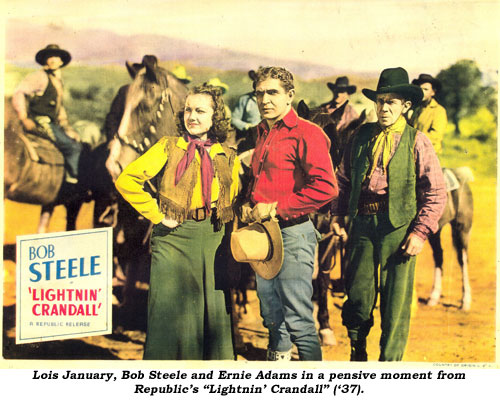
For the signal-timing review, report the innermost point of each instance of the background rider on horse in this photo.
(38, 101)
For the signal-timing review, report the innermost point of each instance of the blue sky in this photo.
(362, 35)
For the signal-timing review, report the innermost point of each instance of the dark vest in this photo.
(400, 173)
(175, 200)
(46, 104)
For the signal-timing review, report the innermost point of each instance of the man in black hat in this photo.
(429, 117)
(392, 188)
(339, 104)
(38, 101)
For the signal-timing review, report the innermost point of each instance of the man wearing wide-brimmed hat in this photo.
(392, 188)
(292, 176)
(341, 90)
(38, 101)
(430, 117)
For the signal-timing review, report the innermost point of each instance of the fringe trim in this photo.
(172, 210)
(226, 214)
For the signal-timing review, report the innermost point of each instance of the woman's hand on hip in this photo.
(167, 222)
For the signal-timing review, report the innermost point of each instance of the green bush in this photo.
(470, 150)
(482, 126)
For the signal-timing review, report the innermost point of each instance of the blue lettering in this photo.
(41, 252)
(71, 267)
(47, 269)
(37, 274)
(93, 265)
(82, 267)
(50, 253)
(64, 268)
(60, 268)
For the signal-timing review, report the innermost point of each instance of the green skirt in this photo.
(189, 309)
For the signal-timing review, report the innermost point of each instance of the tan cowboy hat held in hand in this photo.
(261, 245)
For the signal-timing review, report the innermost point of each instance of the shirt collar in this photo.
(290, 120)
(333, 108)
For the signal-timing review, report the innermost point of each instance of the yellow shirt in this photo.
(131, 181)
(432, 120)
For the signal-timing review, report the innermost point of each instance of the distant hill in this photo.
(98, 47)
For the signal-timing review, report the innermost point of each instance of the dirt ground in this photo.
(442, 333)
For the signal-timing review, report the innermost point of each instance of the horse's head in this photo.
(152, 102)
(316, 115)
(328, 122)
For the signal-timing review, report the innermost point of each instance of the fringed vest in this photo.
(175, 201)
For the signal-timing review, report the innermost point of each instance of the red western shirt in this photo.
(291, 164)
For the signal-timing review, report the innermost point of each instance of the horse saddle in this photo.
(41, 150)
(450, 180)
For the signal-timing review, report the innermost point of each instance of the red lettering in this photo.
(34, 309)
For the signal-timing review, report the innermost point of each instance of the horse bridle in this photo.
(146, 143)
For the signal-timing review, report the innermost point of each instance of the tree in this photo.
(462, 91)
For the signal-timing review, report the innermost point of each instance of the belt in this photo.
(200, 214)
(292, 221)
(373, 208)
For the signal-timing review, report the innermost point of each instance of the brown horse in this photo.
(329, 245)
(143, 112)
(34, 169)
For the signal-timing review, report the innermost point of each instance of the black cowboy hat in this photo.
(52, 50)
(149, 61)
(342, 85)
(395, 80)
(427, 78)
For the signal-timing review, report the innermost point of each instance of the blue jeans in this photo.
(286, 300)
(69, 148)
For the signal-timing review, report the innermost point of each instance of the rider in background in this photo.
(430, 117)
(246, 117)
(38, 101)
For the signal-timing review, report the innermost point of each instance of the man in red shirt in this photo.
(292, 176)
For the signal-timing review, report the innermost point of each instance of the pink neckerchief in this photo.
(207, 168)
